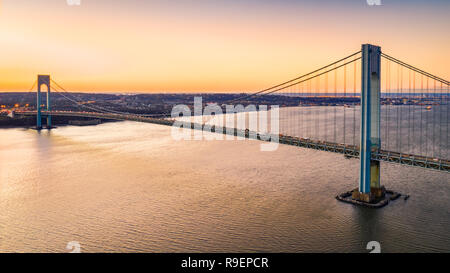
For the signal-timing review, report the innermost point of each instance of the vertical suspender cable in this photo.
(354, 106)
(412, 106)
(399, 126)
(421, 115)
(335, 99)
(326, 107)
(317, 112)
(427, 120)
(386, 114)
(386, 95)
(309, 112)
(447, 123)
(302, 111)
(409, 111)
(440, 120)
(345, 98)
(434, 120)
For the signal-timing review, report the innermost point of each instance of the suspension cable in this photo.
(415, 69)
(74, 100)
(31, 89)
(295, 79)
(102, 109)
(318, 75)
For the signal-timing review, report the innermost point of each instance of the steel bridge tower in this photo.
(43, 80)
(369, 176)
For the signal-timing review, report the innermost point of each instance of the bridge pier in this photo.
(43, 80)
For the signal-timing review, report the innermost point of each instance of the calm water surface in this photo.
(129, 187)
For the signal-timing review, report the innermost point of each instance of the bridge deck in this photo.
(347, 150)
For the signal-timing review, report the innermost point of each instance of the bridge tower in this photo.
(369, 177)
(43, 80)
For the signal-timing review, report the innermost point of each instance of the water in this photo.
(129, 187)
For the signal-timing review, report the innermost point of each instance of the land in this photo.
(162, 104)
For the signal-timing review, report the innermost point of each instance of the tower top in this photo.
(43, 79)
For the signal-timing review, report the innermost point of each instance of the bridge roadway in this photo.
(348, 151)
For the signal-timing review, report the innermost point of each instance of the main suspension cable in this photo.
(295, 79)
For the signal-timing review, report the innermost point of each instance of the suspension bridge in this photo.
(367, 105)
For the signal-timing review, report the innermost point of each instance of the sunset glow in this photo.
(207, 46)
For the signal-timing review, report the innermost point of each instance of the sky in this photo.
(208, 45)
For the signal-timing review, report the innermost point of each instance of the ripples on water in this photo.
(128, 187)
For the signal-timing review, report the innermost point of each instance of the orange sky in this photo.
(207, 46)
